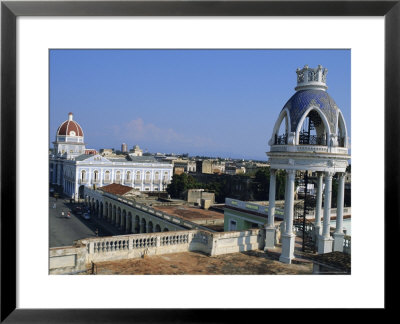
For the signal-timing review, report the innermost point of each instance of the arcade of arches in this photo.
(127, 218)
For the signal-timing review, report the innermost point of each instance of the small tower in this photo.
(136, 151)
(310, 134)
(69, 139)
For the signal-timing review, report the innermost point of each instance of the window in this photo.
(148, 176)
(118, 176)
(128, 175)
(96, 175)
(107, 175)
(232, 225)
(83, 175)
(165, 176)
(138, 175)
(157, 176)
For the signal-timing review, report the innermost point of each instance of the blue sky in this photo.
(202, 102)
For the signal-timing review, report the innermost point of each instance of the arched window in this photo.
(165, 178)
(157, 176)
(313, 130)
(128, 175)
(96, 175)
(107, 176)
(83, 175)
(281, 129)
(148, 175)
(341, 131)
(118, 176)
(137, 176)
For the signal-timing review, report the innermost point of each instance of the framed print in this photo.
(35, 32)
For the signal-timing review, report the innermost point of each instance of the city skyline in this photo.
(221, 103)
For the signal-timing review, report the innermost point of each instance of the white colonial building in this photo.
(72, 169)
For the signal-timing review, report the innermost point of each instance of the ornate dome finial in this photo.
(309, 78)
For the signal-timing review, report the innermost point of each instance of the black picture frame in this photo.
(10, 10)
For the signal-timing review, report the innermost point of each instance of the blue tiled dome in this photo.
(302, 99)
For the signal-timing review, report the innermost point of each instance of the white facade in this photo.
(73, 173)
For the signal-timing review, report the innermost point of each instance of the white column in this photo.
(270, 228)
(339, 235)
(318, 206)
(76, 184)
(283, 228)
(325, 241)
(288, 238)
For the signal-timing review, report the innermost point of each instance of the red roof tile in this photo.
(116, 189)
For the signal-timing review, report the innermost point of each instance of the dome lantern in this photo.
(309, 78)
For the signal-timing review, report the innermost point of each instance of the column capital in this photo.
(291, 173)
(329, 174)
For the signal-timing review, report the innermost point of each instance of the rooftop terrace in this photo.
(192, 263)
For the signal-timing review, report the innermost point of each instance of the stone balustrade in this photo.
(309, 148)
(112, 248)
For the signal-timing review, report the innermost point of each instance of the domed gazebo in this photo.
(309, 135)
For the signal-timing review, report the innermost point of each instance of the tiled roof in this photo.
(68, 126)
(83, 157)
(143, 159)
(117, 159)
(116, 189)
(302, 99)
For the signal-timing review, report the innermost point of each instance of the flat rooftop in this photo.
(193, 263)
(191, 213)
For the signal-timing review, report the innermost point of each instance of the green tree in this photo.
(180, 183)
(280, 184)
(261, 184)
(335, 187)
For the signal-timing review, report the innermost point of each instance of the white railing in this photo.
(137, 245)
(312, 148)
(136, 241)
(299, 148)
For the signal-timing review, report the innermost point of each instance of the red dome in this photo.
(70, 128)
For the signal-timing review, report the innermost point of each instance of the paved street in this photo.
(63, 231)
